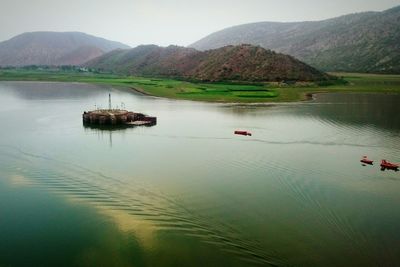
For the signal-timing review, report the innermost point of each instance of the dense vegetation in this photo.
(363, 42)
(230, 63)
(216, 92)
(53, 48)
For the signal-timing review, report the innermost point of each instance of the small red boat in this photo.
(246, 133)
(389, 165)
(365, 160)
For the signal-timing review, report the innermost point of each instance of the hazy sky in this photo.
(180, 22)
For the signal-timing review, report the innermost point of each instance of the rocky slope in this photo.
(363, 42)
(229, 63)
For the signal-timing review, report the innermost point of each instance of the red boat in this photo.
(388, 165)
(365, 160)
(243, 133)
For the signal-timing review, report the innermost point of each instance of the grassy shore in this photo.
(216, 92)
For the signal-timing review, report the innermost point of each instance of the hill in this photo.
(229, 63)
(53, 48)
(363, 42)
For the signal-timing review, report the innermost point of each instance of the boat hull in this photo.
(388, 165)
(366, 161)
(245, 133)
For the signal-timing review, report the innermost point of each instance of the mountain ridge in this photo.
(53, 48)
(229, 63)
(362, 42)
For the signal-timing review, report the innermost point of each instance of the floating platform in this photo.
(117, 117)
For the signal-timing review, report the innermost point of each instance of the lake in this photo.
(188, 192)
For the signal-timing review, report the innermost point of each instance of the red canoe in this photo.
(243, 133)
(366, 160)
(389, 165)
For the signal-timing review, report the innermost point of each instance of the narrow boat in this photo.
(365, 160)
(389, 165)
(246, 133)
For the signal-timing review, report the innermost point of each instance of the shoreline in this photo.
(140, 91)
(307, 97)
(218, 92)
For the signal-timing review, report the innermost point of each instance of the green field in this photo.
(216, 92)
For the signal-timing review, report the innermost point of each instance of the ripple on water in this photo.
(134, 199)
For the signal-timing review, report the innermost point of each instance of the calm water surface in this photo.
(187, 192)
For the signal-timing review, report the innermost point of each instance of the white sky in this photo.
(180, 22)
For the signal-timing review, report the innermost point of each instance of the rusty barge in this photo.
(116, 117)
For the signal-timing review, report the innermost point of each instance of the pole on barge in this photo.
(109, 101)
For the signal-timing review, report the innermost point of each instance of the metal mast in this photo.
(109, 101)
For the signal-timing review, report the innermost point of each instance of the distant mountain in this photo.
(363, 42)
(241, 63)
(54, 48)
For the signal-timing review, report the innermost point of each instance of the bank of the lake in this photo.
(218, 92)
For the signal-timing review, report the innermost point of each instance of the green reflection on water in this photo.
(39, 229)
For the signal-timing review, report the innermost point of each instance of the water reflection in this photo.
(390, 169)
(355, 109)
(101, 130)
(50, 232)
(46, 91)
